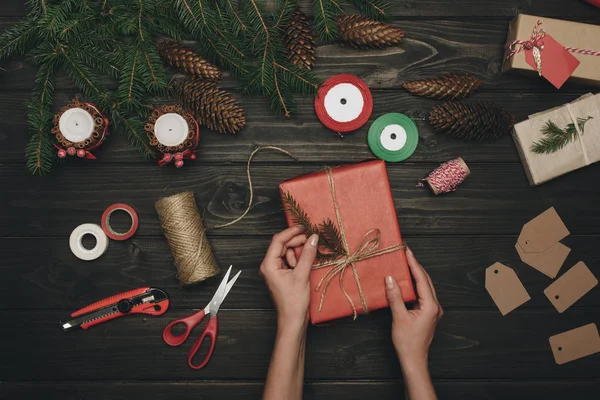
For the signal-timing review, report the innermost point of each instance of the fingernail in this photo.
(389, 282)
(314, 239)
(409, 251)
(299, 227)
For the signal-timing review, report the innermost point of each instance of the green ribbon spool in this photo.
(393, 137)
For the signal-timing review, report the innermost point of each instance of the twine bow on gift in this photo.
(367, 248)
(536, 45)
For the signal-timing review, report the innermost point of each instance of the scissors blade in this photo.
(222, 291)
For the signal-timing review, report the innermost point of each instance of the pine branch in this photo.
(374, 9)
(39, 153)
(326, 12)
(329, 236)
(556, 138)
(86, 81)
(134, 129)
(19, 39)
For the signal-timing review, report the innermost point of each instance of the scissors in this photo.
(211, 329)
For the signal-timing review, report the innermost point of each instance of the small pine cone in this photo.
(364, 33)
(187, 60)
(211, 106)
(471, 121)
(451, 87)
(299, 41)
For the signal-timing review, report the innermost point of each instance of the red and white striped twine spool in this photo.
(447, 176)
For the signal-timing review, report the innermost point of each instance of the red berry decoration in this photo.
(62, 153)
(71, 151)
(179, 163)
(81, 153)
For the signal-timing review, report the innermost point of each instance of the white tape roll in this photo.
(344, 102)
(77, 247)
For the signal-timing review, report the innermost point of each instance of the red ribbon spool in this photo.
(110, 232)
(338, 112)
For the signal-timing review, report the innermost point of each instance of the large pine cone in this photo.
(188, 61)
(299, 41)
(451, 87)
(471, 121)
(364, 33)
(213, 107)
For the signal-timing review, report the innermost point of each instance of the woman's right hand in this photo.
(413, 330)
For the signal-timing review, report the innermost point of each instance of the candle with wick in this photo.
(171, 129)
(76, 125)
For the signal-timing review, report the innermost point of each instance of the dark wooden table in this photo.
(477, 353)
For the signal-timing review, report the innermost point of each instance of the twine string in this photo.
(536, 40)
(250, 187)
(446, 177)
(185, 232)
(367, 248)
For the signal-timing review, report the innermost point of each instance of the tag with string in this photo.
(551, 60)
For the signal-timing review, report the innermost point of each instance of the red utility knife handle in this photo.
(108, 301)
(158, 308)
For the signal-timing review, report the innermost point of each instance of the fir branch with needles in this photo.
(556, 138)
(330, 246)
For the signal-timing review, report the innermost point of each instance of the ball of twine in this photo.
(185, 232)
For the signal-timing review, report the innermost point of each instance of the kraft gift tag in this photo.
(576, 343)
(542, 232)
(570, 287)
(503, 284)
(547, 262)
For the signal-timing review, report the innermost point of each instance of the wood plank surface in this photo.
(55, 279)
(303, 135)
(434, 8)
(495, 199)
(430, 48)
(477, 344)
(350, 390)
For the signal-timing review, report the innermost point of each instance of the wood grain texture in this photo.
(303, 135)
(351, 390)
(53, 278)
(476, 344)
(495, 199)
(433, 8)
(430, 48)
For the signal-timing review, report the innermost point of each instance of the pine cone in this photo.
(471, 121)
(211, 106)
(299, 41)
(452, 86)
(188, 61)
(364, 33)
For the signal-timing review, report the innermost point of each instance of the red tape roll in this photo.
(110, 232)
(344, 103)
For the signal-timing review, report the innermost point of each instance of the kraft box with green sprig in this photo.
(554, 142)
(352, 209)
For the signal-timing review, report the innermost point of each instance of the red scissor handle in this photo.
(211, 331)
(189, 322)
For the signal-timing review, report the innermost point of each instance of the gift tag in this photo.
(542, 232)
(503, 284)
(557, 63)
(570, 287)
(547, 262)
(576, 343)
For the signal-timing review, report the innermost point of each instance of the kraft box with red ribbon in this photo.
(352, 209)
(554, 49)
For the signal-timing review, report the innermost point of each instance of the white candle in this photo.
(76, 125)
(171, 129)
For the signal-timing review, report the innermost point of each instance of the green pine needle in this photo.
(326, 13)
(556, 138)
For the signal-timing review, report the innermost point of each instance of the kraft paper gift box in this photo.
(582, 151)
(369, 224)
(569, 34)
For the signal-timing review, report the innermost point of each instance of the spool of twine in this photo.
(447, 177)
(185, 232)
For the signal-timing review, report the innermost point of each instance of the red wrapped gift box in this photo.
(373, 242)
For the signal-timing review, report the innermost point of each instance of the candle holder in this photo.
(174, 133)
(79, 127)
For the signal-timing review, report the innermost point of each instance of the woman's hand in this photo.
(288, 278)
(413, 330)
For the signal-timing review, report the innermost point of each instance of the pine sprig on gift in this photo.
(556, 138)
(329, 235)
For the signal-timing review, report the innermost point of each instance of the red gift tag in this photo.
(558, 64)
